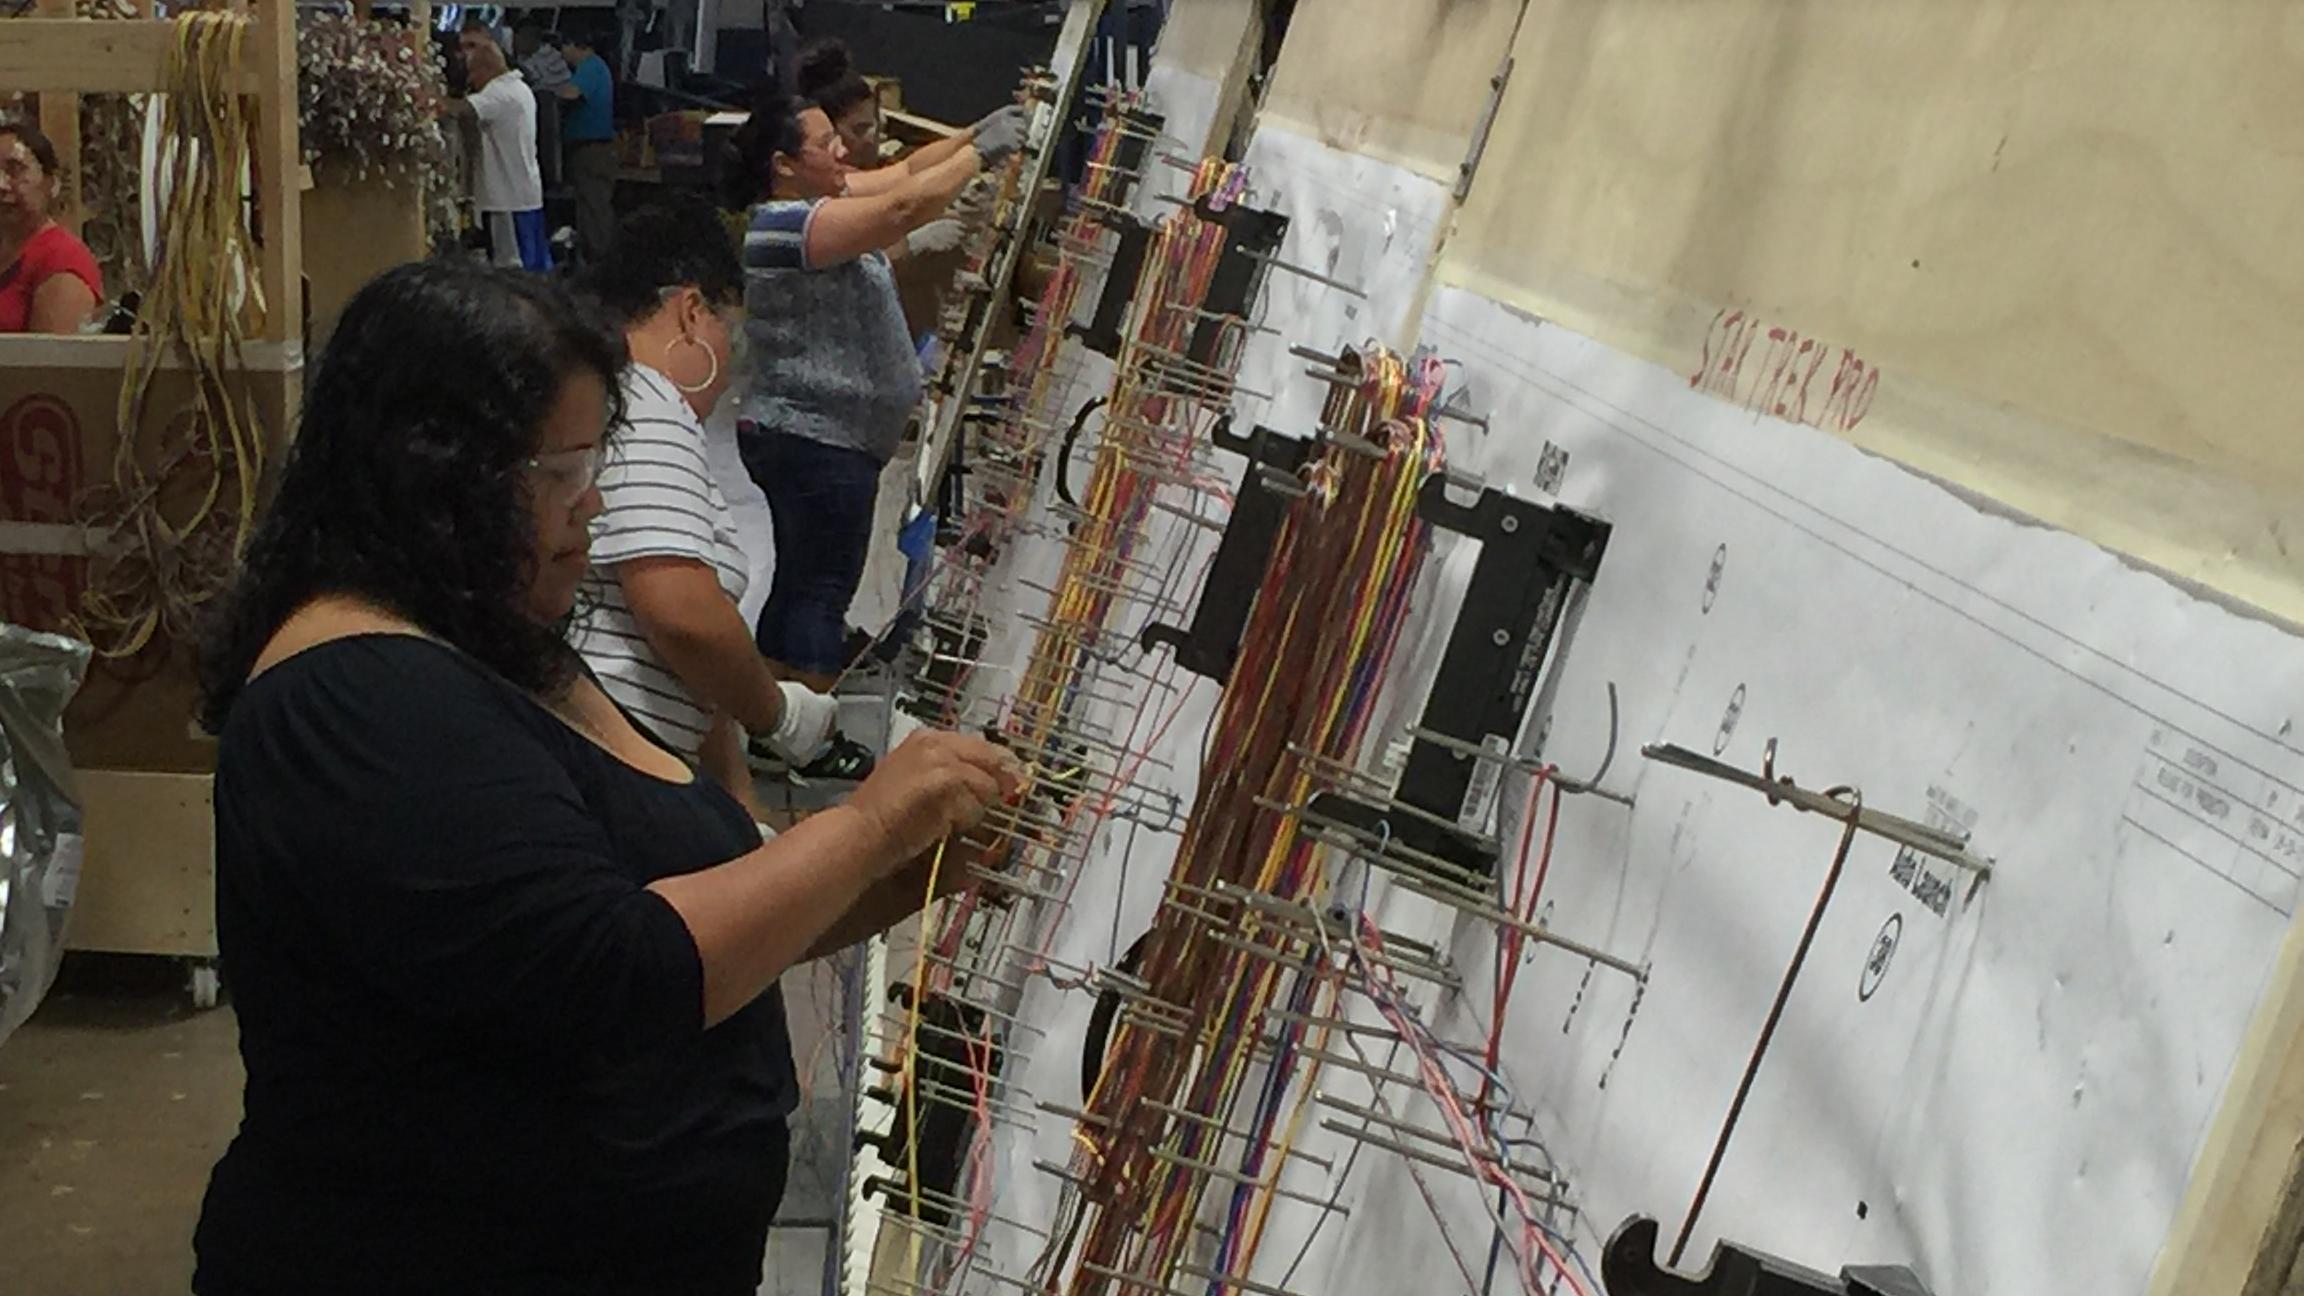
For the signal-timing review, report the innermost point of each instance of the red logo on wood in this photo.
(40, 475)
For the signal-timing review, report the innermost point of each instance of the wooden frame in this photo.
(62, 58)
(145, 887)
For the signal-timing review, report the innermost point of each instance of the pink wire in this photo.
(1460, 1125)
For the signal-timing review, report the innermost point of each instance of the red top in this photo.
(51, 252)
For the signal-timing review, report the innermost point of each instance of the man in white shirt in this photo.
(507, 188)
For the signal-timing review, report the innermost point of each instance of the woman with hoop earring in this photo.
(663, 634)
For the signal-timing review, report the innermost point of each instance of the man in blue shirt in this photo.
(588, 125)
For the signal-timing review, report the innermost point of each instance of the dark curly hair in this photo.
(675, 243)
(773, 128)
(35, 143)
(828, 76)
(407, 485)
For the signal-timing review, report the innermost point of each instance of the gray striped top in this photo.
(662, 502)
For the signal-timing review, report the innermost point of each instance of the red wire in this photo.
(1522, 905)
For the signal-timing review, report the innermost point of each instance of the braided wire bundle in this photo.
(169, 526)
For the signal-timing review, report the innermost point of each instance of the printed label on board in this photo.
(1926, 877)
(1487, 776)
(63, 880)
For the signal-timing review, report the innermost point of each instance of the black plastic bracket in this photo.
(1212, 646)
(1629, 1268)
(1251, 237)
(1533, 556)
(945, 1131)
(1134, 150)
(1101, 333)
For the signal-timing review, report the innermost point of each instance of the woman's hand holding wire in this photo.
(933, 786)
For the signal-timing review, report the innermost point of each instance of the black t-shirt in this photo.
(474, 1039)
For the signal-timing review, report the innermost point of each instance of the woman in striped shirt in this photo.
(663, 633)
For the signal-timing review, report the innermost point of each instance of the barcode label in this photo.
(1487, 776)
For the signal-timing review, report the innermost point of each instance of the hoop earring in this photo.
(709, 354)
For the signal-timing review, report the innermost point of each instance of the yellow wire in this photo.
(912, 1057)
(183, 490)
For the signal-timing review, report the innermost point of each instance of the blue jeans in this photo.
(820, 501)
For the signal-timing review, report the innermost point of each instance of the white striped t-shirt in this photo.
(661, 502)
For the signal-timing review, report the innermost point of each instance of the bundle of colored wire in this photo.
(1303, 690)
(174, 517)
(1150, 440)
(1149, 434)
(1080, 240)
(1097, 566)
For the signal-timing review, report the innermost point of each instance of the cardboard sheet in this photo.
(1352, 219)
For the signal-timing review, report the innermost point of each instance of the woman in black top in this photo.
(505, 969)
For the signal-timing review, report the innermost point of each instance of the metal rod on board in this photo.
(1444, 977)
(1456, 1163)
(898, 1021)
(1076, 1114)
(1414, 1083)
(1526, 765)
(1064, 1173)
(930, 1093)
(1304, 914)
(1352, 442)
(1245, 1136)
(1129, 1280)
(1232, 1281)
(1266, 258)
(1415, 1131)
(1948, 846)
(1434, 889)
(1135, 1015)
(947, 1201)
(1195, 519)
(1213, 1171)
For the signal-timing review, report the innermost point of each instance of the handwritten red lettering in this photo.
(1782, 383)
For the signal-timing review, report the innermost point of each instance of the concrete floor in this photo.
(115, 1099)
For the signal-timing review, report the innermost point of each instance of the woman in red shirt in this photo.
(48, 281)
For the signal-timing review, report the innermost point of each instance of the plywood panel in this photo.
(66, 54)
(149, 883)
(1204, 36)
(1404, 81)
(2063, 242)
(355, 230)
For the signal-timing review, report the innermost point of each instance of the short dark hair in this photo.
(35, 142)
(408, 484)
(828, 76)
(676, 243)
(773, 128)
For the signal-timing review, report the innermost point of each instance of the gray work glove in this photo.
(935, 236)
(1001, 134)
